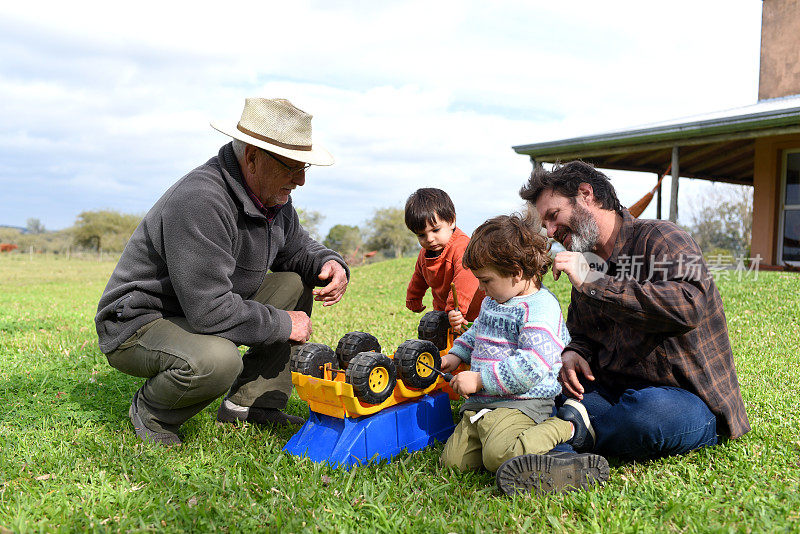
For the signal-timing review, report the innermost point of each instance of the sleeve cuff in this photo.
(285, 326)
(490, 385)
(413, 304)
(461, 353)
(596, 289)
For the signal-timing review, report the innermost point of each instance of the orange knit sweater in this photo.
(438, 273)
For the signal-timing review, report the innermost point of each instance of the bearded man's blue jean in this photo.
(648, 422)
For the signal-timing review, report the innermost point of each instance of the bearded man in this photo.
(650, 360)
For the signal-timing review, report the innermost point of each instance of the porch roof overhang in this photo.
(716, 146)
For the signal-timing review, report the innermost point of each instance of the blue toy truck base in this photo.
(410, 426)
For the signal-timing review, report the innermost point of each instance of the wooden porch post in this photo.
(658, 199)
(676, 172)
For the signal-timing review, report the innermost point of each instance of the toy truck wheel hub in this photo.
(425, 358)
(378, 379)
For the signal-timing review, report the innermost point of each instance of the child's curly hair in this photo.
(509, 244)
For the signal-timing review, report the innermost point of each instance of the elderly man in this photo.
(650, 359)
(192, 284)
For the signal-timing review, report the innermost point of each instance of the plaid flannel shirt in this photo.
(655, 317)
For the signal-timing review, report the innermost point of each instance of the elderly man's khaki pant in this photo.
(186, 371)
(499, 435)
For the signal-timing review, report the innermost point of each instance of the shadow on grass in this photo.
(102, 398)
(49, 397)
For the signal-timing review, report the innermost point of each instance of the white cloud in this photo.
(105, 105)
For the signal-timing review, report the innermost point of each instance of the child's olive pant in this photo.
(500, 435)
(186, 371)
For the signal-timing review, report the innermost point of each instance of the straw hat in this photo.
(275, 125)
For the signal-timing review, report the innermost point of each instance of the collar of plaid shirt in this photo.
(268, 211)
(625, 235)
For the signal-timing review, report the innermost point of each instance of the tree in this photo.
(387, 230)
(310, 220)
(9, 234)
(105, 229)
(46, 241)
(344, 239)
(722, 221)
(35, 226)
(58, 241)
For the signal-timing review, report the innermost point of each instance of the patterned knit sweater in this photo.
(516, 347)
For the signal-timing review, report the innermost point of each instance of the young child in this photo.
(514, 350)
(431, 215)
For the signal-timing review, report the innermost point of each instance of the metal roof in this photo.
(715, 146)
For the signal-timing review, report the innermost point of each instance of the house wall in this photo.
(767, 164)
(780, 40)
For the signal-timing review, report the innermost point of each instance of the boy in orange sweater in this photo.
(430, 214)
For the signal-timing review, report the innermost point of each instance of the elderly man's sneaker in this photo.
(551, 473)
(583, 436)
(230, 412)
(144, 433)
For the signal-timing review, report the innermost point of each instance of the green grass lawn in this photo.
(69, 460)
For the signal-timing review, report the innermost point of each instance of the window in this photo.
(789, 231)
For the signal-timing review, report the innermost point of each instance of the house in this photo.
(756, 145)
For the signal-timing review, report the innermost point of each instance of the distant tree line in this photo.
(721, 223)
(383, 236)
(93, 231)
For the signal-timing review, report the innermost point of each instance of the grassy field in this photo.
(70, 461)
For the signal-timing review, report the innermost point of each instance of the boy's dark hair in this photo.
(565, 179)
(424, 205)
(509, 244)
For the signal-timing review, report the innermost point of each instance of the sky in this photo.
(105, 104)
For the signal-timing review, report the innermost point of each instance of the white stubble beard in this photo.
(585, 233)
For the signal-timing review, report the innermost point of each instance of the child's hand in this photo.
(466, 383)
(457, 321)
(450, 362)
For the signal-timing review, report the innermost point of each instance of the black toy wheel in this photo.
(410, 357)
(311, 358)
(434, 326)
(372, 376)
(354, 343)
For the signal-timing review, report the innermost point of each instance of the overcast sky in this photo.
(106, 104)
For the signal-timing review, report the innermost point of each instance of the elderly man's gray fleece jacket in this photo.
(202, 252)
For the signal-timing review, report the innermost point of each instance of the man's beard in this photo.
(585, 234)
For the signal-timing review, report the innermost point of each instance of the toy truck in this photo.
(366, 405)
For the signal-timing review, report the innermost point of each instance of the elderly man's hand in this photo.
(572, 364)
(301, 327)
(575, 266)
(337, 285)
